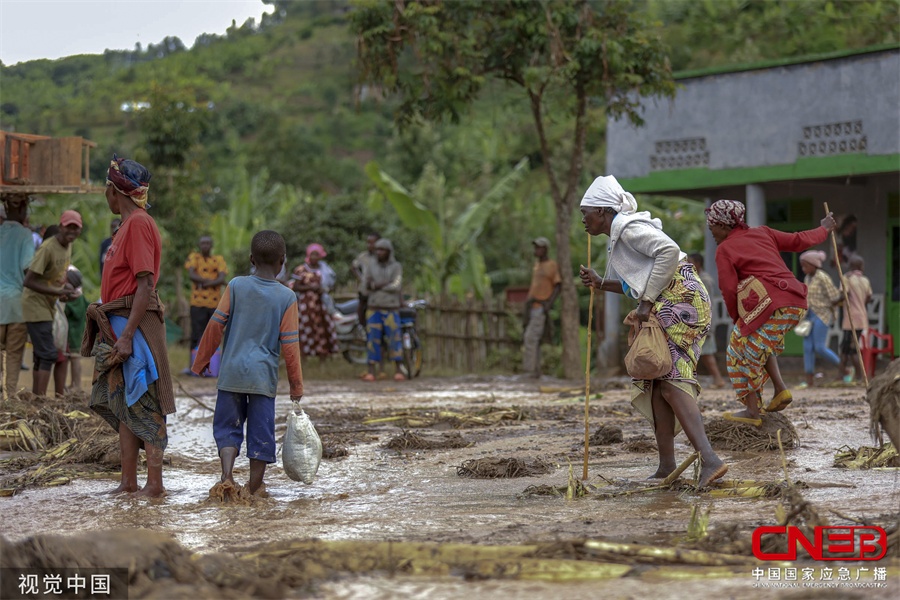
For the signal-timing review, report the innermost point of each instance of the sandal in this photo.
(399, 377)
(368, 377)
(780, 401)
(747, 420)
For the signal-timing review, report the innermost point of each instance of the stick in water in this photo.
(674, 474)
(837, 260)
(587, 371)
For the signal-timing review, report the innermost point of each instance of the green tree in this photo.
(436, 56)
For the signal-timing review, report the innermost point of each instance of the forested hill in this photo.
(285, 87)
(277, 94)
(266, 126)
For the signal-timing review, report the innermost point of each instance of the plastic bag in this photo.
(302, 451)
(649, 356)
(60, 328)
(803, 328)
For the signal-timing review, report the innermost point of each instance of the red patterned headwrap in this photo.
(128, 181)
(728, 213)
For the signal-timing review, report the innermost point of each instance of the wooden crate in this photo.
(40, 164)
(57, 161)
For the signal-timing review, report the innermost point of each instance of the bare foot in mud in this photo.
(122, 489)
(663, 471)
(225, 491)
(712, 471)
(260, 491)
(150, 492)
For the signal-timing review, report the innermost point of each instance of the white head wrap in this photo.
(606, 192)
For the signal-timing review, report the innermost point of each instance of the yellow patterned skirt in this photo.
(747, 356)
(684, 312)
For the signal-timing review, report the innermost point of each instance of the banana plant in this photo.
(253, 205)
(456, 265)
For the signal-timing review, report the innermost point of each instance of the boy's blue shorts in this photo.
(233, 409)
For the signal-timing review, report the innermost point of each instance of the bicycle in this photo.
(411, 365)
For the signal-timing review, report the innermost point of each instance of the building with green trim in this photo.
(783, 137)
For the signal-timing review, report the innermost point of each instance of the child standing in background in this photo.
(76, 315)
(256, 320)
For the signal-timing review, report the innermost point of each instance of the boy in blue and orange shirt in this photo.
(258, 319)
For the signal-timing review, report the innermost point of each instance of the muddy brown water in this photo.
(378, 494)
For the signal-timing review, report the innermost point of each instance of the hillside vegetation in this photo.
(268, 126)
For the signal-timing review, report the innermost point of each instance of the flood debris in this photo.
(883, 397)
(413, 441)
(730, 435)
(499, 468)
(866, 457)
(333, 450)
(59, 440)
(615, 552)
(230, 492)
(640, 444)
(159, 567)
(457, 420)
(606, 434)
(557, 491)
(753, 489)
(337, 445)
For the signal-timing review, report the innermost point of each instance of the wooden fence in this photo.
(470, 335)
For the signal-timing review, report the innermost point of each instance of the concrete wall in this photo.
(766, 117)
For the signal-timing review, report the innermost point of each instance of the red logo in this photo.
(865, 542)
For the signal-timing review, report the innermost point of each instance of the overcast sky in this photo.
(32, 29)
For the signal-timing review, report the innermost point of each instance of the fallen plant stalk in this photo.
(656, 554)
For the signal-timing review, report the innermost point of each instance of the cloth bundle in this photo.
(649, 356)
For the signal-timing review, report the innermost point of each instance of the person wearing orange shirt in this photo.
(545, 286)
(207, 273)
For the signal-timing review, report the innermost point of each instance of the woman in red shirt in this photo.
(132, 387)
(764, 299)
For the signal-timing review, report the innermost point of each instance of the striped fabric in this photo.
(220, 317)
(747, 356)
(153, 327)
(289, 337)
(143, 418)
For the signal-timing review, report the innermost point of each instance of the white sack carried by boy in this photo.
(302, 451)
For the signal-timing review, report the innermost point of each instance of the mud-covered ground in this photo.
(403, 494)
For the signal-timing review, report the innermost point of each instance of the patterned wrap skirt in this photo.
(747, 356)
(144, 418)
(684, 311)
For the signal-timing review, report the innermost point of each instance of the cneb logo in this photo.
(867, 542)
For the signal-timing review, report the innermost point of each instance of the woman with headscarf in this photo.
(311, 281)
(647, 266)
(822, 296)
(764, 299)
(132, 387)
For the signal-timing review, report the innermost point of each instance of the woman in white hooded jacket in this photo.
(647, 266)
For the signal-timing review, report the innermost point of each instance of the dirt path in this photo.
(379, 494)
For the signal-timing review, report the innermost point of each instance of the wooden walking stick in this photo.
(587, 370)
(837, 260)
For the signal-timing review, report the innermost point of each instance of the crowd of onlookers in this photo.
(41, 299)
(41, 289)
